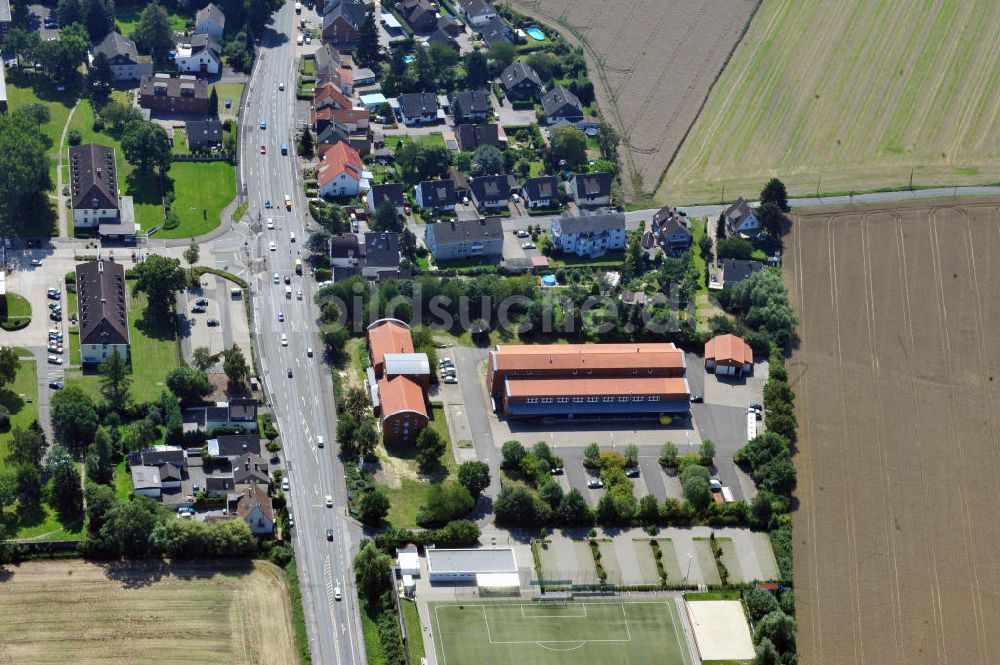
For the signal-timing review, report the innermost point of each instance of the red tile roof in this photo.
(729, 349)
(339, 158)
(610, 386)
(401, 394)
(588, 356)
(254, 495)
(329, 92)
(349, 116)
(388, 337)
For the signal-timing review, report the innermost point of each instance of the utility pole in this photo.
(818, 180)
(911, 178)
(723, 199)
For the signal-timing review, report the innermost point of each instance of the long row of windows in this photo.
(593, 400)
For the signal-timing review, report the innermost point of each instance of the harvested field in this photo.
(849, 96)
(78, 612)
(897, 542)
(653, 63)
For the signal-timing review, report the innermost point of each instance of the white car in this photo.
(281, 86)
(284, 484)
(298, 294)
(309, 351)
(328, 500)
(55, 360)
(270, 224)
(336, 592)
(273, 246)
(524, 245)
(284, 339)
(451, 378)
(277, 279)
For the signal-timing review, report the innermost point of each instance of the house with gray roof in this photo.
(93, 174)
(591, 189)
(436, 194)
(124, 58)
(495, 31)
(342, 20)
(203, 134)
(541, 192)
(451, 240)
(561, 106)
(210, 21)
(477, 12)
(590, 235)
(520, 81)
(417, 108)
(102, 304)
(491, 191)
(737, 270)
(202, 55)
(469, 106)
(470, 137)
(741, 220)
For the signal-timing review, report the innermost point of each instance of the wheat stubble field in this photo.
(897, 545)
(850, 95)
(77, 612)
(653, 63)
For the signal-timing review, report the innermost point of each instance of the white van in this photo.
(298, 40)
(319, 441)
(288, 292)
(291, 236)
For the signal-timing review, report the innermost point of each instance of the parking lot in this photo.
(222, 308)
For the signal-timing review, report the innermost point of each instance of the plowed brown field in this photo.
(200, 613)
(897, 540)
(653, 63)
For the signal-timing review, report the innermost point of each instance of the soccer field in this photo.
(525, 633)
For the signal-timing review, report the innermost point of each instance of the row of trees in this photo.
(60, 58)
(774, 625)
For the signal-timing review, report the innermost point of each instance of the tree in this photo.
(24, 171)
(74, 418)
(707, 452)
(100, 80)
(138, 435)
(100, 462)
(761, 511)
(608, 140)
(430, 448)
(127, 528)
(100, 19)
(759, 603)
(189, 384)
(551, 493)
(771, 219)
(20, 43)
(569, 147)
(374, 507)
(476, 70)
(425, 70)
(153, 34)
(159, 276)
(487, 160)
(766, 653)
(512, 453)
(592, 456)
(9, 364)
(386, 218)
(734, 248)
(474, 476)
(115, 380)
(366, 439)
(65, 492)
(774, 192)
(366, 49)
(631, 455)
(546, 65)
(779, 628)
(668, 455)
(306, 145)
(69, 11)
(417, 162)
(443, 503)
(574, 511)
(202, 358)
(146, 147)
(118, 116)
(514, 506)
(213, 103)
(371, 570)
(100, 500)
(502, 55)
(407, 244)
(29, 488)
(697, 492)
(27, 446)
(235, 365)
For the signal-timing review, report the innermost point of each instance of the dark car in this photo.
(198, 309)
(201, 302)
(756, 407)
(289, 372)
(212, 323)
(632, 472)
(557, 471)
(329, 534)
(55, 385)
(697, 398)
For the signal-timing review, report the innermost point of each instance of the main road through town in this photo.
(296, 379)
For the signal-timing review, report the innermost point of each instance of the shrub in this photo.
(74, 137)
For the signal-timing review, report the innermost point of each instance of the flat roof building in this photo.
(463, 565)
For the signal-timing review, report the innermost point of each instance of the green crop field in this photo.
(849, 96)
(532, 633)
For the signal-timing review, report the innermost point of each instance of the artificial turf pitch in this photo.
(606, 632)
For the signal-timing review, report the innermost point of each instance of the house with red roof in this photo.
(728, 355)
(341, 171)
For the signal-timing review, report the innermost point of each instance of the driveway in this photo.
(508, 117)
(469, 365)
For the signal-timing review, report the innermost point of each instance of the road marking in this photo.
(328, 577)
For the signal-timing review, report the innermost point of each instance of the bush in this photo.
(74, 137)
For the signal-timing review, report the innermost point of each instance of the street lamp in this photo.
(690, 557)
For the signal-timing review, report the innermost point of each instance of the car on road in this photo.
(328, 500)
(281, 317)
(270, 224)
(298, 294)
(198, 309)
(527, 245)
(288, 279)
(632, 472)
(284, 485)
(289, 372)
(284, 339)
(201, 301)
(288, 205)
(36, 262)
(263, 124)
(523, 234)
(263, 150)
(281, 86)
(336, 592)
(319, 441)
(229, 102)
(213, 323)
(329, 534)
(277, 278)
(595, 484)
(309, 352)
(55, 385)
(55, 360)
(267, 203)
(697, 398)
(451, 378)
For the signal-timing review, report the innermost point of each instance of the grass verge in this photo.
(298, 614)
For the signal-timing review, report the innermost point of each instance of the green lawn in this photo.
(21, 399)
(233, 91)
(128, 18)
(203, 189)
(123, 481)
(405, 500)
(611, 259)
(599, 631)
(180, 146)
(28, 89)
(414, 635)
(430, 140)
(17, 312)
(308, 66)
(698, 230)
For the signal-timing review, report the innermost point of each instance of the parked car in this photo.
(756, 407)
(198, 309)
(451, 378)
(213, 323)
(55, 385)
(697, 398)
(632, 472)
(284, 484)
(557, 471)
(55, 360)
(201, 301)
(595, 484)
(523, 234)
(527, 245)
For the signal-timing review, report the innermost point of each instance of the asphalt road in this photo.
(303, 403)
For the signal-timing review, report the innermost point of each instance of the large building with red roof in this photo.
(341, 171)
(399, 378)
(588, 380)
(728, 355)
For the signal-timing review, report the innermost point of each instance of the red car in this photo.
(263, 150)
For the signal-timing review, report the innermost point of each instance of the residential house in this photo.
(496, 31)
(460, 182)
(490, 191)
(541, 192)
(387, 336)
(102, 302)
(203, 134)
(335, 133)
(450, 26)
(728, 355)
(5, 19)
(250, 469)
(353, 120)
(469, 106)
(254, 507)
(520, 81)
(441, 36)
(363, 77)
(219, 487)
(381, 256)
(146, 481)
(477, 12)
(391, 191)
(234, 445)
(449, 240)
(436, 194)
(210, 21)
(342, 78)
(203, 55)
(420, 14)
(123, 56)
(329, 95)
(238, 414)
(591, 189)
(470, 137)
(175, 95)
(93, 185)
(400, 377)
(341, 171)
(342, 20)
(156, 469)
(737, 270)
(741, 220)
(561, 106)
(671, 230)
(590, 235)
(346, 259)
(417, 108)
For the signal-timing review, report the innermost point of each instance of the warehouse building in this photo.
(588, 381)
(463, 566)
(398, 381)
(728, 355)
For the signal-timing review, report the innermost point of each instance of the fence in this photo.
(203, 158)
